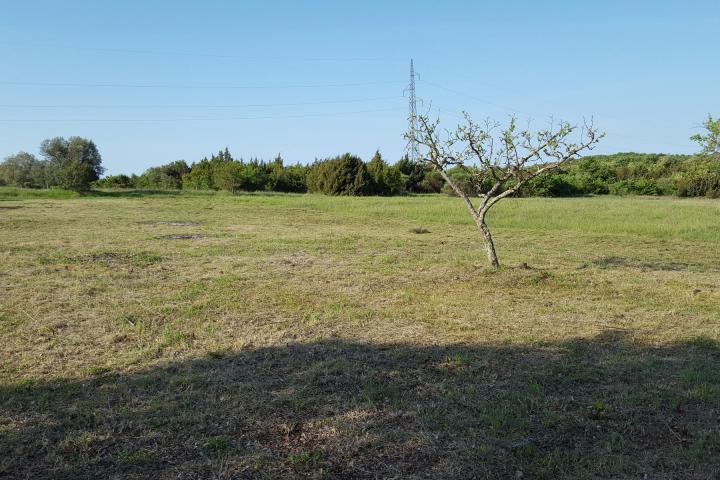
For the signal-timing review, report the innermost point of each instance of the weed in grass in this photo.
(705, 444)
(599, 410)
(77, 443)
(614, 443)
(705, 392)
(217, 446)
(303, 461)
(132, 323)
(93, 370)
(378, 393)
(8, 324)
(134, 460)
(181, 236)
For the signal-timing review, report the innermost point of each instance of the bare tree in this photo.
(499, 162)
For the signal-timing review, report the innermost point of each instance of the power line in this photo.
(472, 97)
(261, 117)
(131, 85)
(202, 54)
(291, 104)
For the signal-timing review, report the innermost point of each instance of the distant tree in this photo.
(230, 176)
(224, 155)
(413, 174)
(24, 170)
(292, 179)
(384, 179)
(710, 142)
(257, 176)
(73, 163)
(118, 181)
(432, 182)
(462, 178)
(287, 179)
(167, 176)
(200, 176)
(498, 163)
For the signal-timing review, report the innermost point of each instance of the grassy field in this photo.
(150, 335)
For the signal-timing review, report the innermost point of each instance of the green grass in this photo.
(201, 335)
(12, 193)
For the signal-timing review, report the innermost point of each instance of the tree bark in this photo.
(479, 216)
(488, 240)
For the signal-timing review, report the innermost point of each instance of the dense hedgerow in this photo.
(76, 164)
(620, 174)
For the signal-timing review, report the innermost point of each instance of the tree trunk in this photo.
(479, 216)
(488, 240)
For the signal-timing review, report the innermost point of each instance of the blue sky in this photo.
(156, 81)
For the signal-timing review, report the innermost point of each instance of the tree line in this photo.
(620, 174)
(345, 174)
(75, 164)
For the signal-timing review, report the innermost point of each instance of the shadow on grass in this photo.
(19, 194)
(121, 193)
(616, 262)
(135, 193)
(598, 408)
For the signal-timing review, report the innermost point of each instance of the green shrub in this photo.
(638, 186)
(417, 177)
(698, 185)
(117, 181)
(289, 179)
(200, 176)
(554, 185)
(384, 179)
(462, 178)
(432, 183)
(169, 176)
(343, 175)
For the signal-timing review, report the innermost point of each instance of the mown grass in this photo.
(12, 193)
(280, 336)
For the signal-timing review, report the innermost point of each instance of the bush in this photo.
(343, 175)
(638, 186)
(462, 178)
(117, 181)
(698, 185)
(168, 176)
(384, 179)
(200, 176)
(413, 175)
(554, 185)
(432, 183)
(229, 176)
(289, 179)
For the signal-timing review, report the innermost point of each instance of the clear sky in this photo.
(155, 81)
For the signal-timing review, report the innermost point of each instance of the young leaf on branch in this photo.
(499, 162)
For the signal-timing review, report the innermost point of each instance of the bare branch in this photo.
(508, 160)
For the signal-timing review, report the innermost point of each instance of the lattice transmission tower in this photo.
(412, 117)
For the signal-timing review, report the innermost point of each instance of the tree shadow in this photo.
(604, 407)
(139, 193)
(131, 193)
(613, 261)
